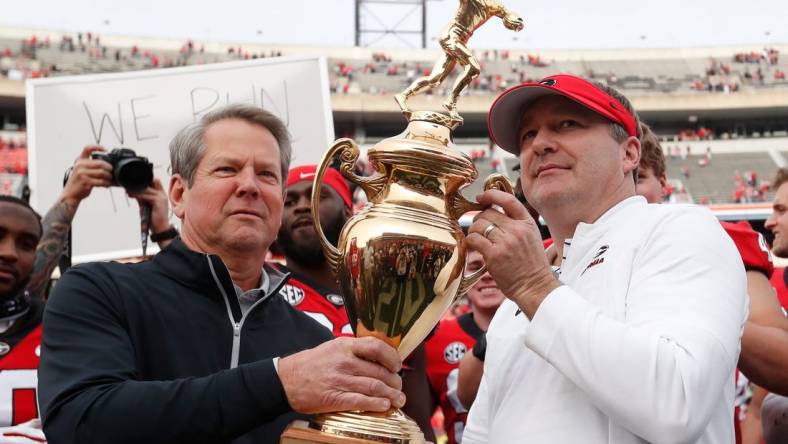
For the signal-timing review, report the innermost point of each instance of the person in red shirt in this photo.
(452, 339)
(312, 287)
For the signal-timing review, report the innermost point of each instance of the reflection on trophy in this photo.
(400, 260)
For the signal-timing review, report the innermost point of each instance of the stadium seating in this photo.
(652, 73)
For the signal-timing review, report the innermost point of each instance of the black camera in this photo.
(130, 171)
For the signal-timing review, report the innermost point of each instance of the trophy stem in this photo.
(392, 426)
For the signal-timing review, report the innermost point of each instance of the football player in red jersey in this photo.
(20, 314)
(765, 337)
(312, 287)
(451, 340)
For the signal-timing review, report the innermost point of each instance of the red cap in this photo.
(331, 178)
(503, 121)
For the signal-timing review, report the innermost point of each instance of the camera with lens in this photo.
(130, 171)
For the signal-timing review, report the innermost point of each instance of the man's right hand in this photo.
(343, 374)
(86, 174)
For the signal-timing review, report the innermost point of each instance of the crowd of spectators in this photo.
(13, 155)
(501, 69)
(33, 57)
(768, 55)
(747, 187)
(701, 133)
(721, 77)
(348, 75)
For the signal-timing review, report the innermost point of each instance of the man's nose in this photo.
(304, 202)
(770, 222)
(543, 142)
(8, 252)
(248, 185)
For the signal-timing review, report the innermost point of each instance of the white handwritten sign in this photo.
(143, 110)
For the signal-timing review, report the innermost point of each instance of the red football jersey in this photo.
(445, 349)
(779, 283)
(752, 247)
(322, 305)
(19, 379)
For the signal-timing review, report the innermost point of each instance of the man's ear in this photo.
(631, 154)
(178, 195)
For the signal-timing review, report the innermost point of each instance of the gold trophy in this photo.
(400, 261)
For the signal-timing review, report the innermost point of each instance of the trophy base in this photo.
(299, 433)
(392, 427)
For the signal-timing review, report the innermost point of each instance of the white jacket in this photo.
(639, 345)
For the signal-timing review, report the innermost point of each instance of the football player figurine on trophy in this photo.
(471, 15)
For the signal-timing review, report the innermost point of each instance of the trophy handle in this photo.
(461, 206)
(348, 155)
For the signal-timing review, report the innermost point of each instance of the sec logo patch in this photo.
(454, 352)
(292, 294)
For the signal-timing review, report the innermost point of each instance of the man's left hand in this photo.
(512, 250)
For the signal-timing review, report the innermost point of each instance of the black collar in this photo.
(303, 278)
(468, 324)
(192, 268)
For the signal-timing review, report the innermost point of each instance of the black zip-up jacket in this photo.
(159, 352)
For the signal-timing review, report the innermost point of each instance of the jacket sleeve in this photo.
(661, 371)
(89, 392)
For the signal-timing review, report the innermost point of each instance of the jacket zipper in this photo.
(234, 356)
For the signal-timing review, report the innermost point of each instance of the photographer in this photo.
(86, 174)
(29, 251)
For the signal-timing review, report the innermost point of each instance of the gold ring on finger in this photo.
(488, 230)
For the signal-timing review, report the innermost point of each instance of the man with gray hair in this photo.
(190, 346)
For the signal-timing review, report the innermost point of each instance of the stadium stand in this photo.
(667, 85)
(724, 178)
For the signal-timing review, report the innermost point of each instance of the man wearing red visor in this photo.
(635, 337)
(312, 287)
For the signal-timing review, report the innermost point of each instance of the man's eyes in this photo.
(528, 135)
(569, 123)
(231, 169)
(266, 173)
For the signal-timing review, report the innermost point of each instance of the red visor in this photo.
(503, 120)
(331, 178)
